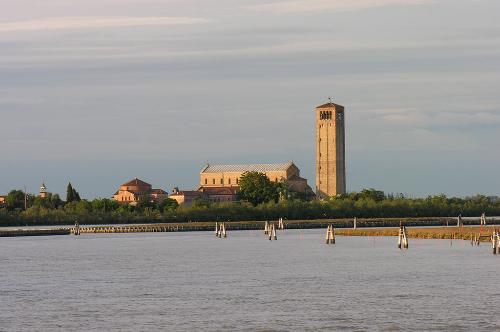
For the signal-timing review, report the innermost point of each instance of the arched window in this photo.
(206, 181)
(221, 181)
(229, 180)
(213, 181)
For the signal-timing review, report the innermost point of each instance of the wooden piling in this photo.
(330, 235)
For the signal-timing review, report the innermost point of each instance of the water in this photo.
(194, 281)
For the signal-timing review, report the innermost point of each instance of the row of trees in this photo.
(365, 204)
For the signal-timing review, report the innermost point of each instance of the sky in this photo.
(98, 92)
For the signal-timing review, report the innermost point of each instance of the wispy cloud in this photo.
(296, 6)
(89, 22)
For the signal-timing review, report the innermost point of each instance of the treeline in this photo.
(368, 203)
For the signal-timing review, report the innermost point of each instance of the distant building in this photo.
(2, 200)
(132, 191)
(221, 182)
(43, 191)
(185, 197)
(330, 150)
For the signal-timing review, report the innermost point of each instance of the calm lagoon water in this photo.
(194, 281)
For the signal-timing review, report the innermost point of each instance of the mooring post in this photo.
(330, 235)
(405, 238)
(224, 229)
(494, 241)
(216, 229)
(270, 231)
(459, 221)
(355, 221)
(220, 230)
(274, 233)
(327, 237)
(266, 227)
(280, 224)
(77, 227)
(400, 235)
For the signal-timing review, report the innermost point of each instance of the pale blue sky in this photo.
(97, 92)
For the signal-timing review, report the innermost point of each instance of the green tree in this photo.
(167, 204)
(71, 194)
(256, 188)
(15, 200)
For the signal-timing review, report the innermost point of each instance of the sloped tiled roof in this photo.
(330, 105)
(136, 182)
(248, 168)
(158, 191)
(186, 193)
(295, 177)
(219, 190)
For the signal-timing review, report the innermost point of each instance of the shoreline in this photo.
(417, 227)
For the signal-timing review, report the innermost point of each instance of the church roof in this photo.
(219, 190)
(248, 168)
(330, 105)
(136, 182)
(158, 191)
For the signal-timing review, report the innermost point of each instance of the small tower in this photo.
(330, 150)
(43, 191)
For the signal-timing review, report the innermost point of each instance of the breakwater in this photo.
(35, 232)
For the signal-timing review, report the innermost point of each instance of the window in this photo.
(237, 181)
(229, 181)
(206, 181)
(221, 181)
(213, 181)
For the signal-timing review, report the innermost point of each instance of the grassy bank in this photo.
(463, 233)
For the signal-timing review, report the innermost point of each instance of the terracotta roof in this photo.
(136, 182)
(219, 190)
(158, 191)
(296, 178)
(247, 168)
(187, 193)
(330, 105)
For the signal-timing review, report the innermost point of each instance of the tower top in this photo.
(43, 189)
(331, 105)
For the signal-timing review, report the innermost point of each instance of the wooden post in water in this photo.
(224, 233)
(266, 227)
(216, 229)
(355, 221)
(483, 219)
(495, 241)
(280, 224)
(405, 238)
(274, 233)
(400, 235)
(459, 221)
(220, 230)
(330, 235)
(77, 227)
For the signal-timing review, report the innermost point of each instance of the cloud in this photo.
(89, 22)
(459, 119)
(297, 6)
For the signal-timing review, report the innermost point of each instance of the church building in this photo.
(132, 191)
(221, 182)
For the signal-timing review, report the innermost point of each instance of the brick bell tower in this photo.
(330, 150)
